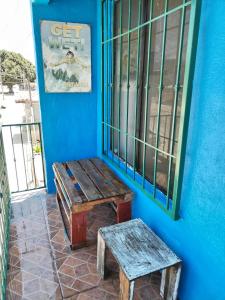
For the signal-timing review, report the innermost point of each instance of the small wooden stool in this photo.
(139, 252)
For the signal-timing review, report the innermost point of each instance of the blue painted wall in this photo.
(198, 237)
(69, 121)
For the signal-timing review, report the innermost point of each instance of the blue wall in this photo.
(69, 121)
(198, 237)
(72, 129)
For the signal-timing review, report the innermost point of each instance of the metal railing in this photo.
(4, 219)
(24, 156)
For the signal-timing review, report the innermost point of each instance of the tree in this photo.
(15, 68)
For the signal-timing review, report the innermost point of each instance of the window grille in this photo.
(148, 51)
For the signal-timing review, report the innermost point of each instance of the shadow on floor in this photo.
(42, 265)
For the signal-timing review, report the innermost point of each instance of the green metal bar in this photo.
(147, 91)
(112, 76)
(14, 157)
(151, 21)
(107, 77)
(120, 80)
(22, 143)
(138, 140)
(102, 76)
(128, 81)
(20, 124)
(42, 156)
(33, 189)
(160, 95)
(32, 151)
(176, 91)
(137, 85)
(186, 97)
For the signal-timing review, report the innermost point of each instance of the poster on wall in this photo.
(66, 49)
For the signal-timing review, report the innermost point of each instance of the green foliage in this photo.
(37, 149)
(14, 66)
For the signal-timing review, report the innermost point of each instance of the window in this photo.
(148, 51)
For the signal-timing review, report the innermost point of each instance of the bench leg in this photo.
(126, 287)
(101, 255)
(78, 229)
(170, 282)
(123, 211)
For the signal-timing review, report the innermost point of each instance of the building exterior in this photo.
(189, 216)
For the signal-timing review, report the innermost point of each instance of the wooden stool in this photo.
(83, 184)
(139, 252)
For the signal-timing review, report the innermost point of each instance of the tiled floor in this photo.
(42, 265)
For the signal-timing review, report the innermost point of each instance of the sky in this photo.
(15, 27)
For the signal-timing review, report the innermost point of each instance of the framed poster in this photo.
(66, 49)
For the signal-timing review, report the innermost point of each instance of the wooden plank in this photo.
(66, 182)
(104, 186)
(63, 200)
(170, 282)
(86, 185)
(137, 249)
(101, 256)
(126, 287)
(109, 174)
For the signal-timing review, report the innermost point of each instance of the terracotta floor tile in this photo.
(43, 266)
(81, 285)
(66, 279)
(68, 291)
(81, 270)
(67, 270)
(93, 279)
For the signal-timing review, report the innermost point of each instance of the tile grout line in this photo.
(53, 259)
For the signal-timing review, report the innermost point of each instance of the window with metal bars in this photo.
(148, 56)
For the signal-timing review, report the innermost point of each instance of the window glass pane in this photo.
(184, 50)
(123, 94)
(169, 79)
(149, 163)
(125, 15)
(158, 7)
(153, 92)
(116, 18)
(135, 12)
(116, 84)
(162, 172)
(174, 3)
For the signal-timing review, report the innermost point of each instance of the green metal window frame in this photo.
(170, 206)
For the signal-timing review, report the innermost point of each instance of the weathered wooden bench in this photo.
(139, 252)
(83, 184)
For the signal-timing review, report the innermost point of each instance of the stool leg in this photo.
(126, 287)
(170, 282)
(101, 256)
(78, 229)
(123, 211)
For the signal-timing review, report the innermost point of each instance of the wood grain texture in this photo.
(88, 188)
(110, 175)
(170, 282)
(126, 287)
(101, 256)
(103, 184)
(137, 249)
(65, 181)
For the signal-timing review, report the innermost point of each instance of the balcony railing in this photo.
(24, 156)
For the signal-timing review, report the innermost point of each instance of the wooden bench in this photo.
(139, 252)
(83, 184)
